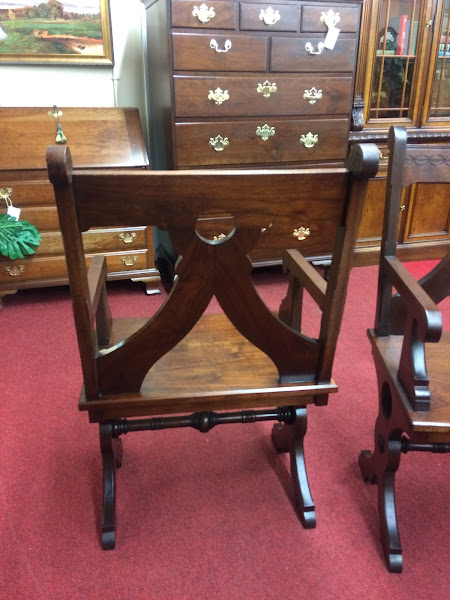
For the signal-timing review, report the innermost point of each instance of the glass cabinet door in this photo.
(439, 105)
(394, 72)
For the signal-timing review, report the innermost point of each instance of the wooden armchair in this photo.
(411, 352)
(180, 360)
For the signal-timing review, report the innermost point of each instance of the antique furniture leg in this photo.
(379, 468)
(112, 459)
(289, 438)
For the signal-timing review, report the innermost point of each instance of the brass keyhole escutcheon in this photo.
(301, 233)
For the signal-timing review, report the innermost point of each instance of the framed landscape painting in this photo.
(52, 31)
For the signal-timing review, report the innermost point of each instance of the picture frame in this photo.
(74, 32)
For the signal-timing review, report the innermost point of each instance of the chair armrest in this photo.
(417, 302)
(96, 279)
(305, 273)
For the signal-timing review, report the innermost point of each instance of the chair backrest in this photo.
(408, 164)
(174, 201)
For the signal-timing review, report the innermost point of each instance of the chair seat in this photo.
(205, 372)
(436, 421)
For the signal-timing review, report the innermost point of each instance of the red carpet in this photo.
(201, 516)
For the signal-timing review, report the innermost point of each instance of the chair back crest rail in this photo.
(174, 201)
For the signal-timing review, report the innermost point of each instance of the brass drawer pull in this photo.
(219, 237)
(309, 140)
(204, 14)
(219, 143)
(5, 194)
(218, 95)
(129, 261)
(127, 237)
(266, 88)
(312, 95)
(265, 132)
(269, 16)
(301, 233)
(15, 270)
(215, 46)
(309, 48)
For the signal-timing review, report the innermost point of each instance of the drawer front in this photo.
(219, 15)
(25, 193)
(311, 23)
(13, 272)
(43, 217)
(290, 55)
(196, 142)
(264, 17)
(96, 241)
(193, 51)
(252, 96)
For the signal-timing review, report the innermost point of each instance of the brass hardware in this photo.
(127, 237)
(60, 137)
(429, 23)
(215, 46)
(218, 95)
(330, 18)
(5, 194)
(309, 48)
(312, 95)
(221, 236)
(301, 233)
(266, 88)
(15, 270)
(129, 261)
(269, 16)
(265, 132)
(402, 207)
(384, 156)
(309, 140)
(263, 229)
(219, 143)
(55, 112)
(203, 14)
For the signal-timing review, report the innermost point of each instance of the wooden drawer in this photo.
(25, 193)
(286, 17)
(224, 14)
(289, 54)
(13, 272)
(310, 22)
(244, 146)
(96, 241)
(192, 96)
(42, 217)
(193, 52)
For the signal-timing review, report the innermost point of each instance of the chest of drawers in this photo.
(97, 137)
(238, 84)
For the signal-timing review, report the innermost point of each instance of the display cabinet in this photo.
(403, 78)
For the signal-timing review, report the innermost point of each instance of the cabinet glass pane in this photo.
(440, 94)
(395, 60)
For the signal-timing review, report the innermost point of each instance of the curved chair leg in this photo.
(379, 468)
(289, 438)
(112, 459)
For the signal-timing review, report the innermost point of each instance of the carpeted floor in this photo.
(201, 515)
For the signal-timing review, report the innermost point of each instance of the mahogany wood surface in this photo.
(411, 352)
(179, 359)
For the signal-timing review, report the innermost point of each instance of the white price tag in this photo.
(331, 38)
(13, 211)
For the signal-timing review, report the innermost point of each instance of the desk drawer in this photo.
(193, 52)
(290, 55)
(25, 193)
(264, 17)
(311, 23)
(235, 96)
(191, 14)
(197, 142)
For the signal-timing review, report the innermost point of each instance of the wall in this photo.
(121, 85)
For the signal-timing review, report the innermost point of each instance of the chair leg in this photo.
(379, 468)
(111, 449)
(289, 438)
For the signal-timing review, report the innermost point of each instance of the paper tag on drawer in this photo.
(331, 38)
(13, 211)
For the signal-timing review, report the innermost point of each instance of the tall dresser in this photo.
(253, 84)
(97, 138)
